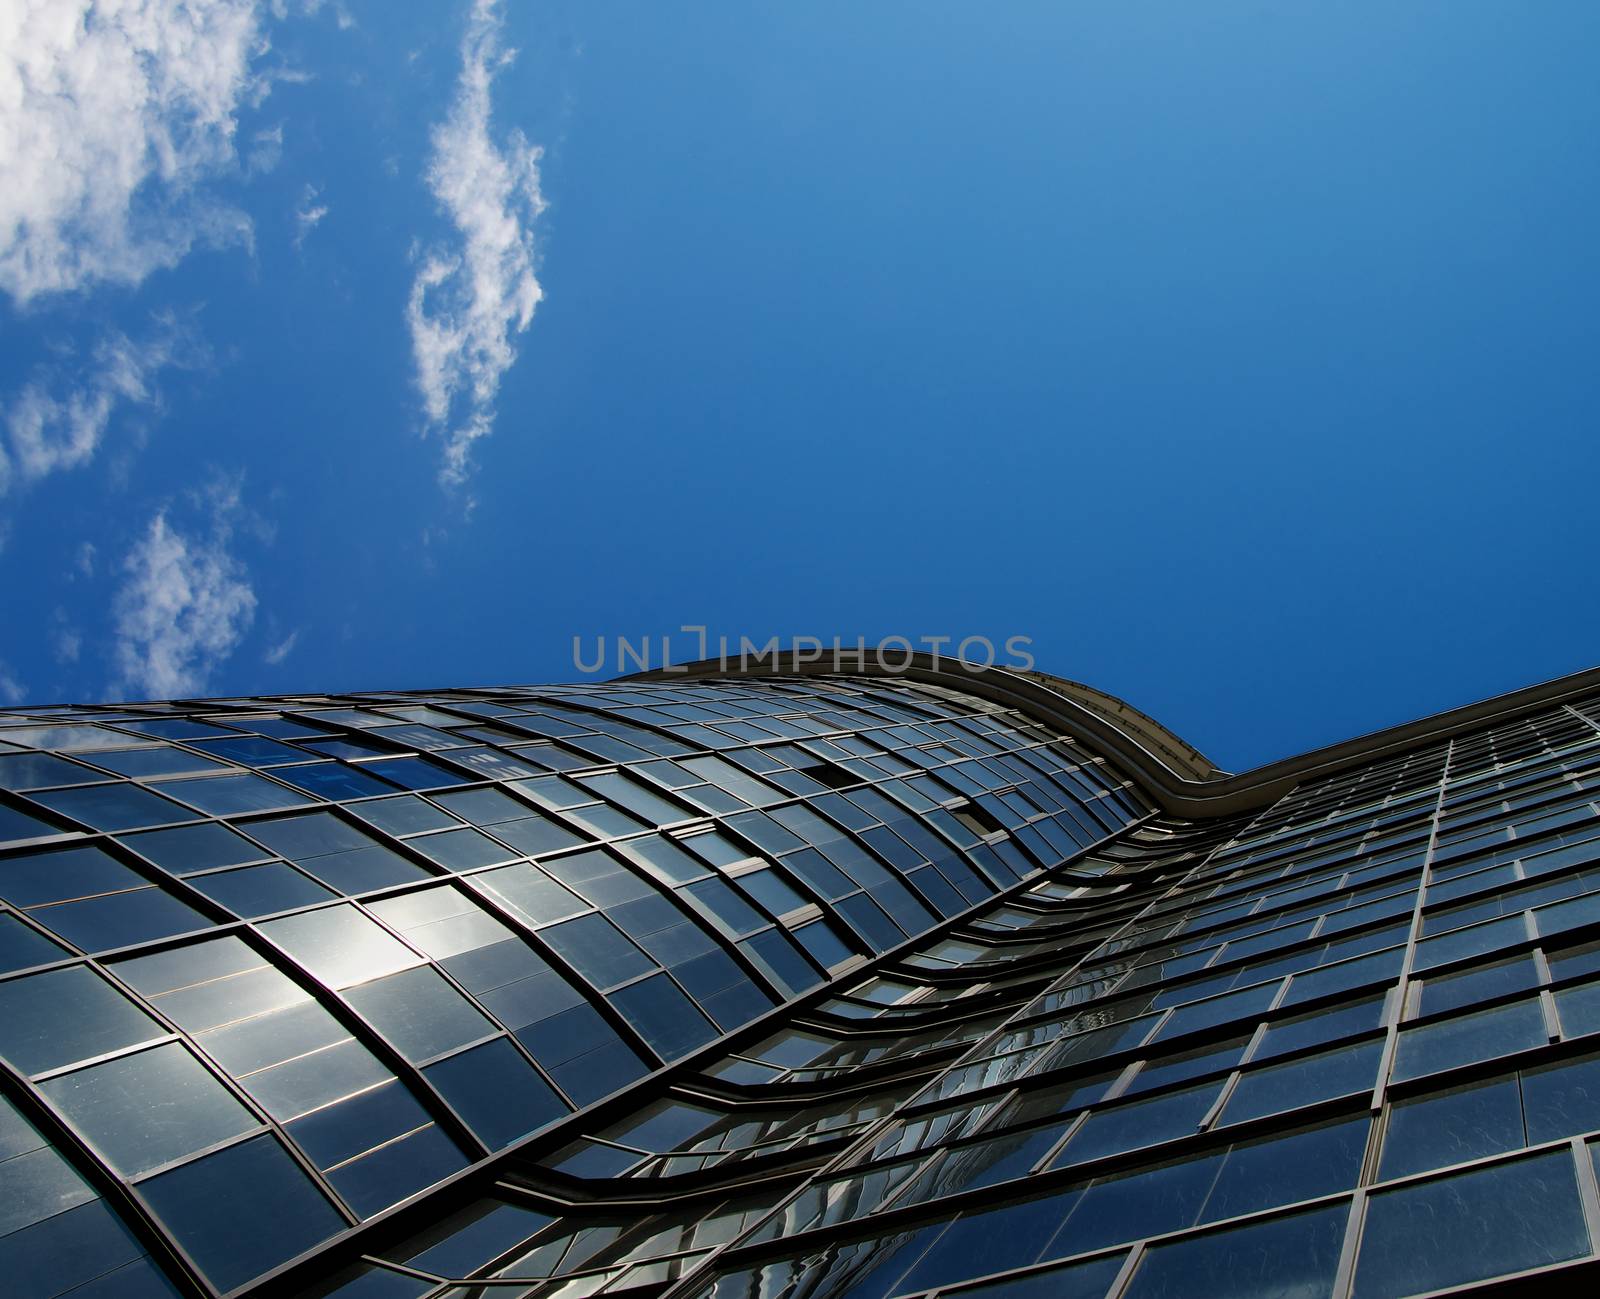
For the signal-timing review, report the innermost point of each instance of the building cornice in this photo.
(1181, 780)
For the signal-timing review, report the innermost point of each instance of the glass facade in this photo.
(754, 988)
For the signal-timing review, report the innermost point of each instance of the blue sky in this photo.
(1241, 355)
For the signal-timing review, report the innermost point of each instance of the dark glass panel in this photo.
(1292, 1257)
(149, 1108)
(663, 1016)
(261, 890)
(1467, 1226)
(194, 847)
(242, 1210)
(61, 1016)
(227, 795)
(22, 946)
(497, 1092)
(120, 806)
(1482, 1035)
(1452, 1126)
(419, 1013)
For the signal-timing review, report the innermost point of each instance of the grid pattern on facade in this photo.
(270, 967)
(1349, 1048)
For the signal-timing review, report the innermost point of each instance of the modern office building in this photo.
(818, 980)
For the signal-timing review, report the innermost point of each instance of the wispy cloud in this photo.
(185, 603)
(277, 653)
(59, 418)
(266, 151)
(114, 115)
(308, 214)
(11, 690)
(468, 301)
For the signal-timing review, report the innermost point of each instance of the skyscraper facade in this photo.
(817, 980)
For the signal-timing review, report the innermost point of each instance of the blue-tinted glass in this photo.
(1303, 1081)
(1482, 1035)
(113, 807)
(1579, 1009)
(419, 1012)
(663, 1016)
(22, 946)
(261, 890)
(528, 892)
(101, 924)
(335, 1133)
(822, 944)
(497, 1092)
(1481, 983)
(226, 795)
(387, 1175)
(1561, 1099)
(596, 950)
(162, 760)
(1481, 1223)
(242, 1211)
(38, 770)
(460, 850)
(1296, 1255)
(1453, 1126)
(332, 780)
(194, 847)
(1089, 1280)
(414, 773)
(149, 1108)
(1139, 1123)
(30, 879)
(403, 814)
(60, 1016)
(251, 751)
(1286, 1167)
(67, 1249)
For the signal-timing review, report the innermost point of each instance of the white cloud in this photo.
(11, 690)
(111, 114)
(277, 653)
(46, 431)
(68, 643)
(85, 559)
(185, 603)
(467, 301)
(308, 214)
(266, 151)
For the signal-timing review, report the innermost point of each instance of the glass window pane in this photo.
(194, 847)
(60, 1016)
(1482, 1035)
(1301, 1082)
(114, 807)
(149, 1108)
(497, 1092)
(340, 946)
(1141, 1123)
(1481, 1223)
(38, 770)
(1453, 1126)
(22, 946)
(226, 795)
(663, 1016)
(1295, 1255)
(419, 1013)
(243, 1210)
(253, 891)
(1561, 1099)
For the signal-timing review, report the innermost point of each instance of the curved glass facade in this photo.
(784, 989)
(269, 968)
